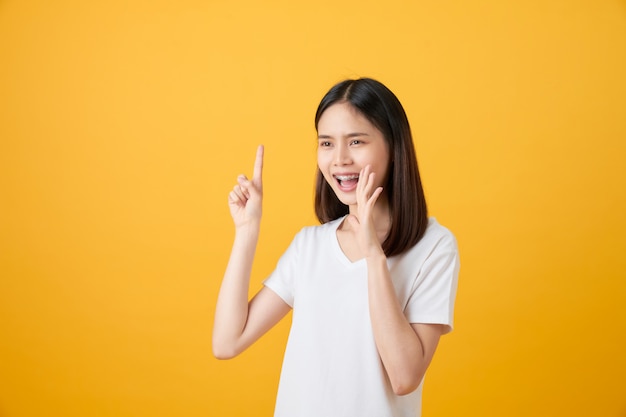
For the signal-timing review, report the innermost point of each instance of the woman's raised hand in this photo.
(363, 221)
(245, 200)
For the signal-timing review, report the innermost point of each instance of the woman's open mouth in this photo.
(347, 182)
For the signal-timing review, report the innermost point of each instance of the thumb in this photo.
(353, 221)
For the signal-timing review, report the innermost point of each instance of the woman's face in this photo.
(347, 143)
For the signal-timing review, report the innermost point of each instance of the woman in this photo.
(372, 288)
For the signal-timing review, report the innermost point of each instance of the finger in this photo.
(368, 182)
(360, 187)
(363, 175)
(242, 191)
(247, 186)
(377, 192)
(234, 198)
(258, 165)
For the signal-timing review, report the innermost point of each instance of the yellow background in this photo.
(123, 125)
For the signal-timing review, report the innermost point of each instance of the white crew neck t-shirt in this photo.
(331, 366)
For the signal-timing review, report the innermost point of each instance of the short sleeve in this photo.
(433, 296)
(282, 279)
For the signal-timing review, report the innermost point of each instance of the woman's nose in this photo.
(341, 156)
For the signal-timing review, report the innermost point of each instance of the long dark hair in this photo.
(407, 203)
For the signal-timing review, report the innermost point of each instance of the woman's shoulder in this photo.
(438, 242)
(437, 235)
(437, 229)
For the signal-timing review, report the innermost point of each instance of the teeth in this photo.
(346, 177)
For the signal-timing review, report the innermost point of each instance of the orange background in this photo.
(123, 126)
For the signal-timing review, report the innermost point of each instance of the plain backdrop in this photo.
(123, 126)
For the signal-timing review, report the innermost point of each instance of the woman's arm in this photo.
(239, 323)
(405, 349)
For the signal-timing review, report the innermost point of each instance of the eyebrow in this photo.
(349, 135)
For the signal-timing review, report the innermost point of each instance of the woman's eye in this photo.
(324, 143)
(356, 142)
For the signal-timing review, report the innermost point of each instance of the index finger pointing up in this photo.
(258, 165)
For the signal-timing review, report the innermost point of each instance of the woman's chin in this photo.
(347, 200)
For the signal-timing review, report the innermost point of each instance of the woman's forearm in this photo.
(399, 346)
(231, 311)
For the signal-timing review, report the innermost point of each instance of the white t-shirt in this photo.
(331, 366)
